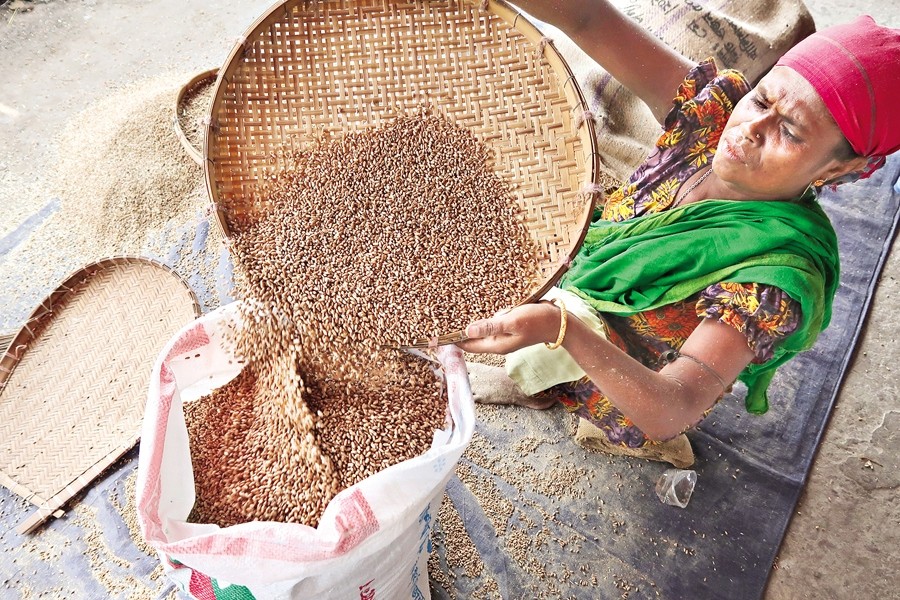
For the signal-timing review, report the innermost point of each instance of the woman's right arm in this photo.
(661, 403)
(636, 58)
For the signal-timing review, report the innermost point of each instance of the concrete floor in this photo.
(59, 57)
(844, 541)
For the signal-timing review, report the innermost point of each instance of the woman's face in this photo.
(780, 137)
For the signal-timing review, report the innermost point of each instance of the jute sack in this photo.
(747, 36)
(373, 539)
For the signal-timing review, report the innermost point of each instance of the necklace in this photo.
(700, 180)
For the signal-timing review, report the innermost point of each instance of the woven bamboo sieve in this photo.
(312, 70)
(180, 101)
(73, 382)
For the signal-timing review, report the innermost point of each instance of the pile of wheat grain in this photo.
(122, 172)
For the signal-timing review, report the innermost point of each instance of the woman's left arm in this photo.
(661, 404)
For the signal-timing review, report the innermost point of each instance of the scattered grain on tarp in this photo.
(455, 556)
(128, 511)
(498, 509)
(109, 569)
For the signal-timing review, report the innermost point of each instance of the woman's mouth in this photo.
(735, 152)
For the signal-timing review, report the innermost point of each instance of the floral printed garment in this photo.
(764, 314)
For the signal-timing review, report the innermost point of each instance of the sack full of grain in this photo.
(371, 541)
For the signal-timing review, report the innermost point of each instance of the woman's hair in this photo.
(844, 151)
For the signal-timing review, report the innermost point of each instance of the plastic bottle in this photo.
(675, 487)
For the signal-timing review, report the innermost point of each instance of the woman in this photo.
(713, 262)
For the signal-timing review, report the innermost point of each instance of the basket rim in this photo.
(533, 34)
(195, 153)
(25, 335)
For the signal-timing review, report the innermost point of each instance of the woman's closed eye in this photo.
(761, 104)
(789, 135)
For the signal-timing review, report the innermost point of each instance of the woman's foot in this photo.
(491, 385)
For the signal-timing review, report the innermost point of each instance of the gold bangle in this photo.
(563, 322)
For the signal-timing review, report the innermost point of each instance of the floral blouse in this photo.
(763, 313)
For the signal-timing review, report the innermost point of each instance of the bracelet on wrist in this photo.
(563, 322)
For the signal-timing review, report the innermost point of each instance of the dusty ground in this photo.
(59, 57)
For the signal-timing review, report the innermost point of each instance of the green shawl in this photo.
(639, 264)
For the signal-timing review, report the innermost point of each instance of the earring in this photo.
(813, 187)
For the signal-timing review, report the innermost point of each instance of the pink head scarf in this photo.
(855, 68)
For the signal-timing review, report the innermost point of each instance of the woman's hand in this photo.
(511, 330)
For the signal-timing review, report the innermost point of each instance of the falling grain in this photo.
(383, 236)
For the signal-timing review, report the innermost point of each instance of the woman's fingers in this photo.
(482, 329)
(487, 335)
(481, 346)
(508, 330)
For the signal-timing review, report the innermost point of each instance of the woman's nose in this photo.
(753, 131)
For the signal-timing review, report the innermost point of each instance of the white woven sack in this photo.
(749, 36)
(373, 538)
